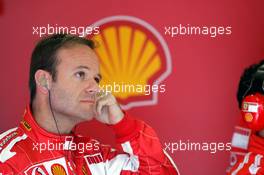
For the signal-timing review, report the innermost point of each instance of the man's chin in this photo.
(87, 116)
(81, 119)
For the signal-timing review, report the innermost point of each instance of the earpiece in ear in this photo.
(43, 82)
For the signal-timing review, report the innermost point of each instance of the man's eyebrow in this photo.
(100, 76)
(82, 67)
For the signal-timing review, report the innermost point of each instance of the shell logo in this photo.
(248, 117)
(132, 55)
(58, 169)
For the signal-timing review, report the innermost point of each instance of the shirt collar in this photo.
(31, 127)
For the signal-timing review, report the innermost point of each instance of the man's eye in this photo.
(97, 80)
(80, 75)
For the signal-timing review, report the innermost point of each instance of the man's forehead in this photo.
(78, 55)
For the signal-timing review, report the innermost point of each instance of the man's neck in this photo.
(55, 124)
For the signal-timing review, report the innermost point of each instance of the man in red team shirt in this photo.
(64, 78)
(248, 139)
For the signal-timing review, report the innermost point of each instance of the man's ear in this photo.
(43, 80)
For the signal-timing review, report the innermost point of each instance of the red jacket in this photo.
(31, 150)
(250, 159)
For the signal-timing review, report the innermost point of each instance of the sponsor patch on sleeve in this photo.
(241, 137)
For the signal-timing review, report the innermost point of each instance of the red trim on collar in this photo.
(31, 127)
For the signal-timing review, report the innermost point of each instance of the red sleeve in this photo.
(140, 141)
(5, 169)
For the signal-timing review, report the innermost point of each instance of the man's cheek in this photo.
(62, 98)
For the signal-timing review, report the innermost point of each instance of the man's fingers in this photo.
(107, 109)
(100, 94)
(100, 103)
(106, 100)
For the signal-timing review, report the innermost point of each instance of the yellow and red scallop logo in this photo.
(58, 169)
(134, 60)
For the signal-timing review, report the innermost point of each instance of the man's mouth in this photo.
(87, 101)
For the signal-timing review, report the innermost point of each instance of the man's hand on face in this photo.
(107, 110)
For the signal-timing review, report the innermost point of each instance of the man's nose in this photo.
(92, 87)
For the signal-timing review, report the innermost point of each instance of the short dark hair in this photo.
(245, 84)
(44, 56)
